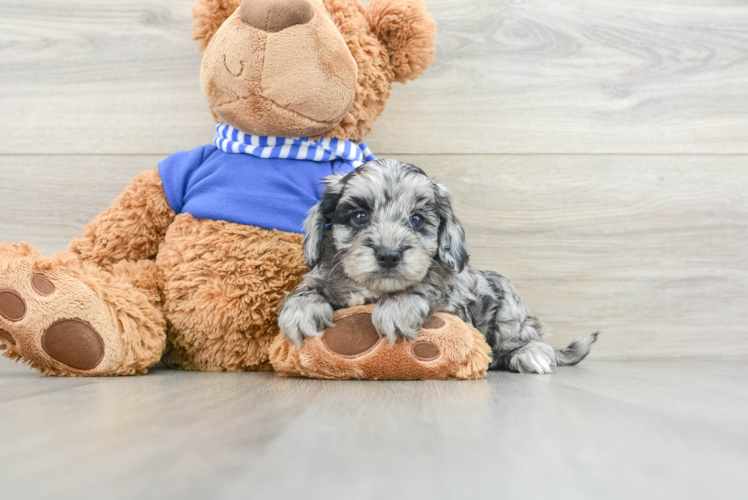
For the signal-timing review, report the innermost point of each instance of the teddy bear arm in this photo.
(132, 228)
(445, 348)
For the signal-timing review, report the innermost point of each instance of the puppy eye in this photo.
(417, 221)
(360, 219)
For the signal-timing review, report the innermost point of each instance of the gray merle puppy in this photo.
(386, 234)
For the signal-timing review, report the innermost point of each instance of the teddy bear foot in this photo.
(52, 320)
(446, 348)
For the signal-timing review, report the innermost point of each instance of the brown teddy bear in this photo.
(190, 263)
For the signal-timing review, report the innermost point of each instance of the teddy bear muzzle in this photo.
(279, 68)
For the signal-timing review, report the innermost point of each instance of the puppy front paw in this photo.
(400, 316)
(302, 317)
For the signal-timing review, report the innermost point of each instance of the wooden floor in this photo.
(646, 429)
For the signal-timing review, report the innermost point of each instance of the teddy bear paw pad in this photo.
(75, 343)
(352, 336)
(56, 323)
(434, 323)
(12, 305)
(425, 351)
(42, 285)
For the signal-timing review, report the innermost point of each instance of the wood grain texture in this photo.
(47, 200)
(657, 429)
(510, 76)
(579, 76)
(648, 249)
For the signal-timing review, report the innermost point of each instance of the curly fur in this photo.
(375, 74)
(222, 285)
(383, 54)
(407, 31)
(140, 322)
(208, 16)
(386, 234)
(132, 228)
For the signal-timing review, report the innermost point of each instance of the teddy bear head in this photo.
(308, 68)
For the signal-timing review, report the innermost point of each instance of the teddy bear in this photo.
(189, 264)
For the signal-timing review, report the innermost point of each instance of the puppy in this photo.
(386, 234)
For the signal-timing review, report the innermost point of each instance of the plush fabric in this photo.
(298, 82)
(455, 351)
(407, 31)
(222, 284)
(131, 326)
(131, 229)
(188, 264)
(276, 15)
(208, 16)
(381, 56)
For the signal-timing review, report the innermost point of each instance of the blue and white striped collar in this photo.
(230, 140)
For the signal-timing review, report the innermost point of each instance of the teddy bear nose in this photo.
(275, 15)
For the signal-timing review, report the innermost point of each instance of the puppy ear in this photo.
(209, 15)
(452, 249)
(407, 31)
(319, 216)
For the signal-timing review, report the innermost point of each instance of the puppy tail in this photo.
(576, 351)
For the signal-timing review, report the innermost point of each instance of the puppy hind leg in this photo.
(539, 357)
(535, 357)
(522, 349)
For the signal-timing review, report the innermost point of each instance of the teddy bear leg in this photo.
(222, 285)
(69, 318)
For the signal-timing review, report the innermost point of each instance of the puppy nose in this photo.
(275, 15)
(389, 258)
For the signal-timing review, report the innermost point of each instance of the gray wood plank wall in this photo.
(597, 150)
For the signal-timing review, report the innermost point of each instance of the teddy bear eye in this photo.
(360, 219)
(417, 221)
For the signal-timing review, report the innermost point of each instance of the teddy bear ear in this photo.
(209, 15)
(407, 31)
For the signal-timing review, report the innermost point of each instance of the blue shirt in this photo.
(272, 193)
